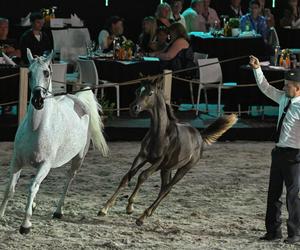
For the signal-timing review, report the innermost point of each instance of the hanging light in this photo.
(106, 2)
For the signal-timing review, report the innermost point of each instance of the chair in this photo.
(59, 71)
(211, 77)
(88, 74)
(273, 39)
(197, 56)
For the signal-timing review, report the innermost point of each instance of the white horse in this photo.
(53, 132)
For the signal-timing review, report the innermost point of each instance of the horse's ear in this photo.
(49, 58)
(29, 56)
(158, 82)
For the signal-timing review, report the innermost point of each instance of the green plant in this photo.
(107, 107)
(128, 44)
(234, 23)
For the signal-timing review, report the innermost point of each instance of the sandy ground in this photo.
(220, 204)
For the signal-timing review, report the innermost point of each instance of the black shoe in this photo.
(292, 240)
(271, 236)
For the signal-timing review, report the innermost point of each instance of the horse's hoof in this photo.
(24, 230)
(33, 206)
(139, 222)
(129, 210)
(102, 213)
(57, 215)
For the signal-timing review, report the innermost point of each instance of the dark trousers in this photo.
(285, 168)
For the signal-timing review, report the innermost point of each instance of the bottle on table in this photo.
(276, 55)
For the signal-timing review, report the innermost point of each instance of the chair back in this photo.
(59, 71)
(210, 73)
(88, 73)
(198, 56)
(273, 40)
(59, 39)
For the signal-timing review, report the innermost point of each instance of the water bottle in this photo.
(276, 55)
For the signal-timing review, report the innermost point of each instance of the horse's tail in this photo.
(96, 126)
(218, 128)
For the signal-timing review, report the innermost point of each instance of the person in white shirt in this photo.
(114, 29)
(285, 167)
(193, 16)
(176, 6)
(211, 16)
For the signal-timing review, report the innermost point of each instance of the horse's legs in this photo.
(76, 164)
(15, 172)
(37, 180)
(138, 163)
(164, 192)
(142, 178)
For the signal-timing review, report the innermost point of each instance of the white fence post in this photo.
(167, 85)
(23, 93)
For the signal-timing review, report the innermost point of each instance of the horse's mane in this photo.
(170, 113)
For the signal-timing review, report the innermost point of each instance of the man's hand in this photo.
(254, 62)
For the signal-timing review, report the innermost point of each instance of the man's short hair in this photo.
(193, 2)
(3, 20)
(256, 2)
(36, 16)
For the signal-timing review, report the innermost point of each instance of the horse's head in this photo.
(39, 78)
(146, 96)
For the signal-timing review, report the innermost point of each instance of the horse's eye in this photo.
(46, 73)
(29, 74)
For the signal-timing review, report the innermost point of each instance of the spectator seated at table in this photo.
(113, 30)
(266, 12)
(176, 6)
(8, 46)
(35, 39)
(193, 16)
(147, 39)
(162, 37)
(210, 15)
(179, 53)
(291, 15)
(254, 21)
(234, 10)
(163, 15)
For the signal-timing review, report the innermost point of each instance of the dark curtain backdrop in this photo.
(94, 12)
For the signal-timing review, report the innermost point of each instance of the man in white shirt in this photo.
(193, 17)
(285, 167)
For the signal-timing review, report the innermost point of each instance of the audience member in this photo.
(163, 15)
(147, 39)
(35, 39)
(266, 12)
(176, 6)
(291, 16)
(210, 16)
(254, 21)
(113, 30)
(193, 16)
(9, 46)
(234, 10)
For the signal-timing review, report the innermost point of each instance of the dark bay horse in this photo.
(168, 146)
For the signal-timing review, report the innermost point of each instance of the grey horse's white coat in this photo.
(54, 131)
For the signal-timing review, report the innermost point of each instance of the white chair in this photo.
(211, 77)
(273, 39)
(88, 74)
(59, 39)
(197, 56)
(59, 71)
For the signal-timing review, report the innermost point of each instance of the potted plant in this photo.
(128, 46)
(234, 24)
(107, 108)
